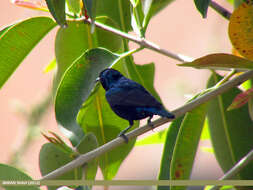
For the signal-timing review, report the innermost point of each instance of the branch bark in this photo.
(141, 41)
(135, 133)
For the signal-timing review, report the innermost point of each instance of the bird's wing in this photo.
(130, 93)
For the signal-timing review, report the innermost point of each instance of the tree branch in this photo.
(237, 168)
(221, 10)
(141, 130)
(141, 41)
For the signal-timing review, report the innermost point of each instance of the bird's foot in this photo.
(150, 123)
(122, 134)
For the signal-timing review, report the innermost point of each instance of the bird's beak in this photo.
(97, 80)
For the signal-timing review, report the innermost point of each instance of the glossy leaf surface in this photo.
(18, 40)
(231, 131)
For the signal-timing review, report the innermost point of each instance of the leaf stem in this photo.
(141, 41)
(141, 130)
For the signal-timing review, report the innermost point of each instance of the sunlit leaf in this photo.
(51, 66)
(205, 132)
(156, 138)
(74, 6)
(240, 29)
(220, 61)
(18, 40)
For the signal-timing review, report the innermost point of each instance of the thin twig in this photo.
(141, 130)
(236, 168)
(141, 41)
(221, 10)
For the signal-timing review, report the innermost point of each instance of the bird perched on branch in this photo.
(130, 100)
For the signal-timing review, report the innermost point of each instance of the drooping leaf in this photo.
(51, 158)
(76, 85)
(169, 145)
(241, 99)
(202, 6)
(186, 144)
(90, 6)
(240, 29)
(88, 143)
(220, 61)
(18, 40)
(57, 9)
(231, 131)
(10, 173)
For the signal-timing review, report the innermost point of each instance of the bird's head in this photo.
(108, 77)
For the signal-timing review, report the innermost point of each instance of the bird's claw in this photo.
(150, 123)
(122, 134)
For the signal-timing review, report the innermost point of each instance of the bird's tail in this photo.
(165, 113)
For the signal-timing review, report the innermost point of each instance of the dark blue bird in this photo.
(130, 100)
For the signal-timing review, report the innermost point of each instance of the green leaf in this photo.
(51, 158)
(107, 39)
(18, 40)
(119, 11)
(156, 138)
(73, 41)
(88, 143)
(76, 86)
(202, 6)
(231, 131)
(74, 6)
(205, 132)
(13, 174)
(187, 144)
(57, 9)
(170, 141)
(145, 76)
(220, 60)
(90, 6)
(157, 6)
(97, 117)
(51, 66)
(137, 17)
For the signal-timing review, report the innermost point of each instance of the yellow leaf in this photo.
(241, 29)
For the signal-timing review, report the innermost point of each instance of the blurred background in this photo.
(179, 28)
